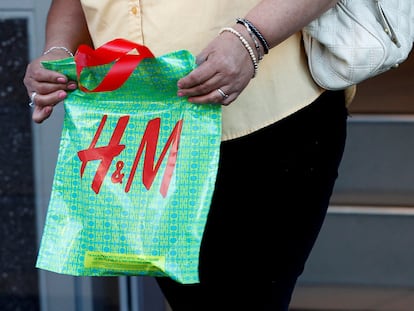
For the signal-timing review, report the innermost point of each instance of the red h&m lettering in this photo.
(105, 154)
(149, 140)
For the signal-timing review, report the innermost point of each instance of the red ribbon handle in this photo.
(126, 54)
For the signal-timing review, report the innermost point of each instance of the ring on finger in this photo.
(32, 100)
(224, 95)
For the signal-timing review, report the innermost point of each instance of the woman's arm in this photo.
(65, 27)
(279, 19)
(225, 63)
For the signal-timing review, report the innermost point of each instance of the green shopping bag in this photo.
(136, 167)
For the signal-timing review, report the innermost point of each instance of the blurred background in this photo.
(363, 259)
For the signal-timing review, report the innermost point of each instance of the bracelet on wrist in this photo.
(246, 45)
(58, 48)
(257, 33)
(252, 35)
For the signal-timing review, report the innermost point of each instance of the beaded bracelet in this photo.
(58, 48)
(246, 45)
(257, 34)
(256, 44)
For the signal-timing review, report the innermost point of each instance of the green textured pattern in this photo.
(136, 232)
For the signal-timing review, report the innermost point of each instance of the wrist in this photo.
(246, 44)
(251, 38)
(58, 49)
(252, 29)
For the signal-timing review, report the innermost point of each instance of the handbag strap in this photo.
(125, 54)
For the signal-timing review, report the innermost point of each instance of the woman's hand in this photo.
(46, 88)
(225, 69)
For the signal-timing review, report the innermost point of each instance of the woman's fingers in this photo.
(43, 104)
(45, 88)
(224, 71)
(41, 113)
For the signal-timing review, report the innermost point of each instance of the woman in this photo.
(282, 139)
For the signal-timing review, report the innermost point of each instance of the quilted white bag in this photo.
(358, 39)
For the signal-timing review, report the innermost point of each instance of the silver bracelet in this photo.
(58, 48)
(258, 34)
(252, 35)
(246, 45)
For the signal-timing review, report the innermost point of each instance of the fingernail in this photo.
(72, 86)
(180, 94)
(61, 95)
(61, 80)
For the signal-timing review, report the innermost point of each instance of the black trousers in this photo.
(272, 192)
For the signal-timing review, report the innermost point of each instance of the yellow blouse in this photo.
(282, 86)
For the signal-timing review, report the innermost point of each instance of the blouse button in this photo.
(134, 10)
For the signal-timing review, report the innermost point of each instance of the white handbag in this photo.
(358, 39)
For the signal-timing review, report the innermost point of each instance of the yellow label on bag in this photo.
(124, 262)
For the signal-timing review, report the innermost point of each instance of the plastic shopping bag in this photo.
(136, 167)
